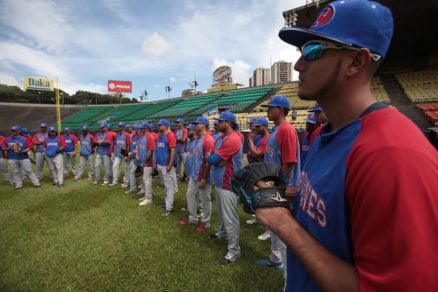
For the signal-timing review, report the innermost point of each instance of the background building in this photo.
(260, 77)
(281, 72)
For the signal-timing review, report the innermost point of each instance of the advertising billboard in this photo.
(222, 75)
(38, 83)
(118, 86)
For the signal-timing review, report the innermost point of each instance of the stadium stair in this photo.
(401, 101)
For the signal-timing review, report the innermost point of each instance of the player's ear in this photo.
(359, 61)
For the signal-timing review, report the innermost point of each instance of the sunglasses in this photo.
(314, 50)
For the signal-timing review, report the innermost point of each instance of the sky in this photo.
(153, 43)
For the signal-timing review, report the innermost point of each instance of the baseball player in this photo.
(17, 148)
(134, 160)
(25, 133)
(3, 166)
(311, 126)
(366, 216)
(146, 147)
(121, 151)
(38, 141)
(87, 142)
(54, 146)
(181, 144)
(71, 142)
(258, 140)
(283, 150)
(226, 160)
(103, 154)
(165, 150)
(199, 184)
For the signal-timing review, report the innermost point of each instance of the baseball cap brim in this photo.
(298, 36)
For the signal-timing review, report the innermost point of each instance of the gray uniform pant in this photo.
(39, 161)
(70, 159)
(82, 161)
(56, 166)
(130, 172)
(229, 220)
(116, 168)
(17, 165)
(104, 160)
(181, 159)
(193, 191)
(4, 170)
(147, 182)
(126, 178)
(168, 181)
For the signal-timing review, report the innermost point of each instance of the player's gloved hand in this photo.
(17, 148)
(260, 185)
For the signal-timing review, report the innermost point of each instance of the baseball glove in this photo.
(253, 197)
(16, 147)
(124, 151)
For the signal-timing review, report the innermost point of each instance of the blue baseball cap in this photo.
(109, 126)
(358, 23)
(227, 116)
(190, 127)
(261, 122)
(278, 100)
(67, 129)
(202, 120)
(43, 125)
(103, 125)
(24, 131)
(137, 127)
(252, 120)
(163, 122)
(52, 129)
(145, 125)
(16, 128)
(84, 128)
(122, 124)
(316, 109)
(311, 119)
(180, 120)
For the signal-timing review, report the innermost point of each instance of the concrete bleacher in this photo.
(378, 90)
(291, 92)
(419, 86)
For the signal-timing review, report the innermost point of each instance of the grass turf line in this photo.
(84, 237)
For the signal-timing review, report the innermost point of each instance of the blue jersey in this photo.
(123, 140)
(229, 148)
(70, 143)
(53, 145)
(304, 148)
(203, 147)
(164, 143)
(86, 145)
(188, 166)
(40, 137)
(146, 143)
(20, 141)
(103, 149)
(181, 146)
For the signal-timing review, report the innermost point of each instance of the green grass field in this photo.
(85, 237)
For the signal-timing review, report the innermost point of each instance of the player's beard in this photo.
(325, 87)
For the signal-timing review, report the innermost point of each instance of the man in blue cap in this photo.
(38, 141)
(181, 134)
(71, 143)
(17, 148)
(366, 215)
(87, 142)
(146, 148)
(226, 161)
(54, 146)
(103, 140)
(121, 151)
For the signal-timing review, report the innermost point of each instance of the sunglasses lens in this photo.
(312, 51)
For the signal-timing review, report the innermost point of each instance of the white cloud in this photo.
(6, 78)
(172, 79)
(155, 46)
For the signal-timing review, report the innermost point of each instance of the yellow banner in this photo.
(38, 83)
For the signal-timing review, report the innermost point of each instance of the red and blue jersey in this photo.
(40, 137)
(104, 138)
(229, 148)
(181, 134)
(369, 195)
(86, 144)
(203, 147)
(23, 142)
(260, 143)
(123, 140)
(164, 143)
(146, 143)
(283, 147)
(53, 145)
(70, 142)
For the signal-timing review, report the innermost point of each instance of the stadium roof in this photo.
(415, 32)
